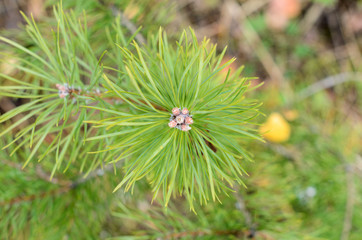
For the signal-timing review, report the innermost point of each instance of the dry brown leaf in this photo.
(353, 20)
(281, 11)
(36, 7)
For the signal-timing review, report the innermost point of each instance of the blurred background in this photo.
(306, 180)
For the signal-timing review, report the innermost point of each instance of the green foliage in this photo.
(68, 59)
(295, 190)
(32, 207)
(69, 90)
(193, 163)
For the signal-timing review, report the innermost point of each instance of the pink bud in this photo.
(63, 94)
(185, 111)
(189, 120)
(180, 119)
(185, 127)
(172, 124)
(61, 87)
(175, 111)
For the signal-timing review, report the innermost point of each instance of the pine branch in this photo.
(178, 123)
(74, 72)
(64, 186)
(96, 173)
(40, 173)
(184, 77)
(33, 197)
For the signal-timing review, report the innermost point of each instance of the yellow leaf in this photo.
(276, 128)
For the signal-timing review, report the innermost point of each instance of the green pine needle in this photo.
(206, 159)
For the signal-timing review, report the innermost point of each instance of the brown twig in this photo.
(64, 186)
(128, 24)
(93, 174)
(243, 209)
(32, 197)
(311, 17)
(40, 173)
(352, 46)
(358, 166)
(293, 156)
(254, 41)
(200, 233)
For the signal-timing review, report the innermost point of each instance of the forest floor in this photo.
(302, 185)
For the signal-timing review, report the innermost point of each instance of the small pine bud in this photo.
(185, 127)
(185, 111)
(61, 87)
(180, 119)
(63, 90)
(189, 120)
(176, 111)
(172, 124)
(63, 94)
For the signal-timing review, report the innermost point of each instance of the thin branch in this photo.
(200, 233)
(358, 166)
(293, 156)
(40, 173)
(29, 198)
(351, 195)
(93, 174)
(329, 82)
(254, 41)
(352, 45)
(65, 186)
(243, 209)
(251, 7)
(311, 17)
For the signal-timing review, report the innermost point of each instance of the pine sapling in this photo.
(172, 89)
(162, 110)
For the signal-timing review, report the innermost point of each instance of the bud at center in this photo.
(180, 119)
